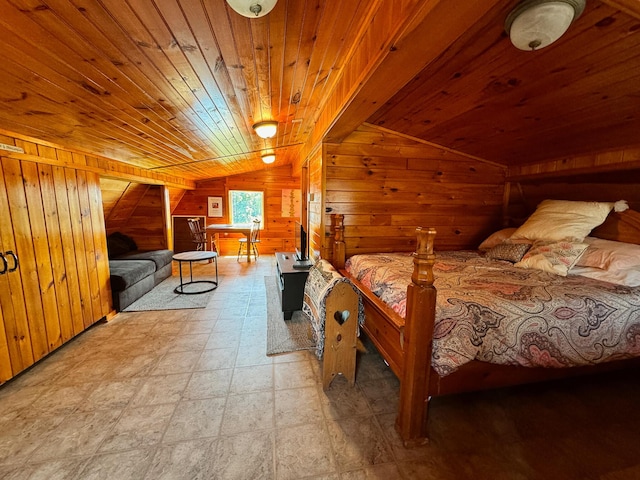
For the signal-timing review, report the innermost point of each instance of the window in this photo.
(245, 206)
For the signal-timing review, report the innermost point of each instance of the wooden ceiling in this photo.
(171, 85)
(485, 98)
(175, 86)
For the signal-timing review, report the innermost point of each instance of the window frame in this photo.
(230, 193)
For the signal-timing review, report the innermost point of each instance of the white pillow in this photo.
(556, 258)
(610, 255)
(629, 277)
(556, 220)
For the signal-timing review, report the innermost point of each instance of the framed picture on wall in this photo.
(215, 206)
(290, 202)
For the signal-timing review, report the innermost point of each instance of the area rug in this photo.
(162, 297)
(284, 336)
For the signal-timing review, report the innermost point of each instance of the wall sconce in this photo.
(535, 24)
(269, 158)
(266, 129)
(252, 8)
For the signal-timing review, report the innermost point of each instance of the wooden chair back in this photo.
(254, 234)
(198, 234)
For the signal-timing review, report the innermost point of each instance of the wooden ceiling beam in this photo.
(630, 7)
(426, 31)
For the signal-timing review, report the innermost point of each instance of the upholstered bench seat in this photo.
(161, 258)
(134, 272)
(126, 273)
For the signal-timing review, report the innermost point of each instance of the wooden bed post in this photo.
(339, 247)
(418, 336)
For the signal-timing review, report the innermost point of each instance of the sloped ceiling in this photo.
(174, 86)
(171, 85)
(484, 97)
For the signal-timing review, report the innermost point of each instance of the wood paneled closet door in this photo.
(52, 221)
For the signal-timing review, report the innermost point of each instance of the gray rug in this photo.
(284, 335)
(162, 297)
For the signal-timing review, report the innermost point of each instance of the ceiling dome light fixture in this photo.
(266, 129)
(269, 158)
(535, 24)
(252, 8)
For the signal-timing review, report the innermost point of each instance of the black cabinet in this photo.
(291, 282)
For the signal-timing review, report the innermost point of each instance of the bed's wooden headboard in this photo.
(621, 227)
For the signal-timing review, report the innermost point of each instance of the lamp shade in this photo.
(266, 129)
(252, 8)
(269, 158)
(535, 24)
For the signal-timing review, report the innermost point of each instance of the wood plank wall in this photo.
(600, 176)
(88, 162)
(601, 187)
(387, 184)
(615, 160)
(277, 234)
(136, 210)
(175, 195)
(146, 223)
(53, 220)
(119, 200)
(315, 205)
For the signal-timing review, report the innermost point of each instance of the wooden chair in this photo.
(198, 234)
(251, 242)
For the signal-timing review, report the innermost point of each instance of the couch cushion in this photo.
(162, 273)
(159, 257)
(122, 300)
(125, 273)
(119, 244)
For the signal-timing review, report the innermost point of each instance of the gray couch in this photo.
(134, 272)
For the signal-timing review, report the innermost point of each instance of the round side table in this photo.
(190, 257)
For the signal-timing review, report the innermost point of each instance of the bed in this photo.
(405, 331)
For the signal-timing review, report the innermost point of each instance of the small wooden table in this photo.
(191, 257)
(215, 229)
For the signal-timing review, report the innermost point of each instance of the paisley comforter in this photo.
(491, 311)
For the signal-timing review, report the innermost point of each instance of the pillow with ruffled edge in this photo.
(556, 257)
(557, 220)
(511, 252)
(496, 238)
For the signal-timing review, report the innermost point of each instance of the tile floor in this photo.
(191, 395)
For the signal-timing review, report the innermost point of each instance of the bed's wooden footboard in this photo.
(405, 344)
(341, 334)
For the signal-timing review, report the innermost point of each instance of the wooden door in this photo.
(5, 360)
(15, 349)
(16, 332)
(53, 221)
